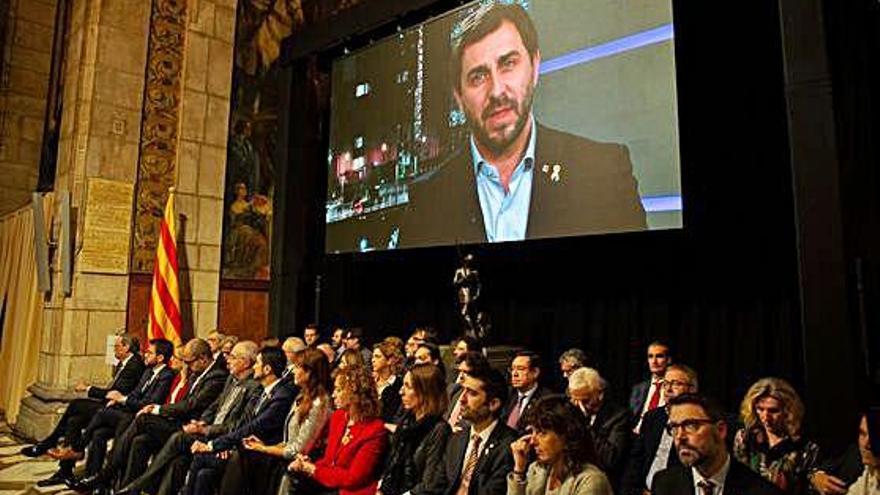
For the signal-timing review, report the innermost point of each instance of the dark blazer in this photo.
(124, 381)
(611, 432)
(513, 396)
(390, 400)
(644, 448)
(740, 481)
(155, 393)
(198, 397)
(267, 422)
(490, 473)
(416, 448)
(637, 397)
(595, 193)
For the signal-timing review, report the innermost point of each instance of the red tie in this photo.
(655, 399)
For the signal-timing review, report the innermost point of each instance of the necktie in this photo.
(263, 397)
(469, 465)
(513, 419)
(149, 382)
(706, 487)
(655, 398)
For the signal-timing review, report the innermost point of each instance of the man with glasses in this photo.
(698, 429)
(652, 448)
(608, 423)
(525, 372)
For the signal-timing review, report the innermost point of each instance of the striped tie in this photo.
(469, 465)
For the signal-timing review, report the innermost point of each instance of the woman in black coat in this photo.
(387, 364)
(420, 439)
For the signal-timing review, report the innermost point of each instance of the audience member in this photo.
(303, 431)
(154, 384)
(228, 343)
(311, 335)
(354, 340)
(429, 353)
(215, 341)
(565, 462)
(699, 431)
(770, 441)
(387, 365)
(156, 423)
(571, 360)
(328, 351)
(173, 456)
(356, 440)
(478, 459)
(126, 375)
(263, 417)
(292, 348)
(652, 448)
(419, 442)
(608, 422)
(647, 395)
(525, 373)
(471, 361)
(351, 358)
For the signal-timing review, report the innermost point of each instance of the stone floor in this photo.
(18, 473)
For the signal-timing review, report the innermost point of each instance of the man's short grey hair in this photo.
(246, 349)
(294, 344)
(586, 378)
(130, 342)
(575, 356)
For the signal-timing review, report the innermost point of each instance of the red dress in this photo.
(353, 468)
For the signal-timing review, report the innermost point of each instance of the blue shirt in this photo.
(505, 213)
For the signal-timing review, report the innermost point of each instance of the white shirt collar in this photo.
(485, 434)
(268, 388)
(717, 479)
(159, 367)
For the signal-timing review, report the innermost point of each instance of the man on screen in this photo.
(516, 179)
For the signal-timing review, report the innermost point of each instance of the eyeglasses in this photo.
(689, 426)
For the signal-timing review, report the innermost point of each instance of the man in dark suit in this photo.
(609, 423)
(478, 458)
(155, 423)
(647, 395)
(525, 373)
(652, 449)
(516, 179)
(264, 419)
(699, 430)
(126, 375)
(153, 386)
(221, 416)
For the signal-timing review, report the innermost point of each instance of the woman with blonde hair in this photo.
(387, 365)
(356, 440)
(770, 441)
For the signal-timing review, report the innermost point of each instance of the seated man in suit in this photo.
(525, 373)
(652, 449)
(153, 386)
(155, 423)
(126, 375)
(478, 458)
(516, 179)
(699, 431)
(264, 418)
(227, 410)
(609, 423)
(647, 395)
(472, 360)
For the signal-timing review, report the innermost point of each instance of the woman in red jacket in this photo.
(356, 441)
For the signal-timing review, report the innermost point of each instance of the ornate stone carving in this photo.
(159, 127)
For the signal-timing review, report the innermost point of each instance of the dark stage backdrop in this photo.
(724, 291)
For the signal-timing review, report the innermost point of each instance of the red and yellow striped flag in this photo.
(165, 320)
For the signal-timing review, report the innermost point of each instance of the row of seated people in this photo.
(245, 419)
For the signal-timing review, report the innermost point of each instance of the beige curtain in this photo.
(22, 323)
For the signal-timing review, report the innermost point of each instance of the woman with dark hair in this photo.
(565, 460)
(305, 424)
(351, 358)
(387, 364)
(770, 442)
(356, 440)
(418, 444)
(857, 472)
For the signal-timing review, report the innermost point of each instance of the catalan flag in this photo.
(165, 320)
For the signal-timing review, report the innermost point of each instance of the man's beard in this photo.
(695, 459)
(498, 145)
(475, 415)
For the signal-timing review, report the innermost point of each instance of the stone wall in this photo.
(23, 90)
(201, 165)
